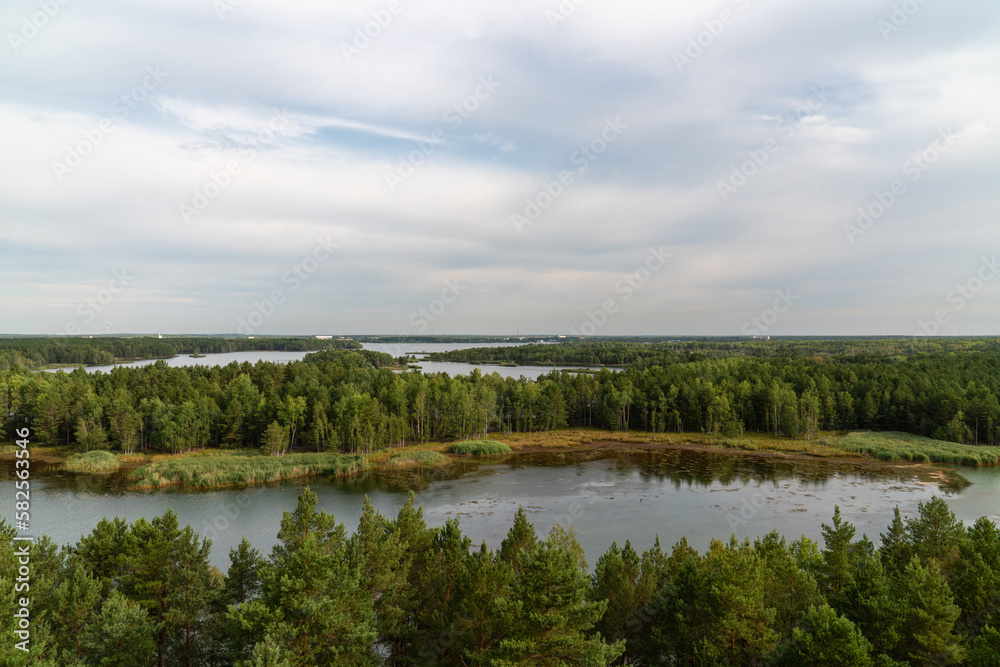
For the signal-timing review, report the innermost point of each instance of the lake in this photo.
(605, 497)
(395, 349)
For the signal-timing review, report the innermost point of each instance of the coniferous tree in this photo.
(824, 639)
(312, 604)
(929, 617)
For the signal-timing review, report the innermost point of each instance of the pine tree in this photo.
(929, 617)
(838, 558)
(824, 639)
(242, 582)
(555, 616)
(312, 603)
(896, 548)
(123, 636)
(936, 533)
(384, 566)
(872, 606)
(521, 538)
(484, 608)
(77, 601)
(985, 649)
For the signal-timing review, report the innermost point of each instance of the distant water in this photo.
(452, 368)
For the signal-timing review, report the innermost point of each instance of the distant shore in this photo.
(228, 468)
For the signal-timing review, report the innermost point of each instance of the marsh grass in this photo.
(243, 469)
(94, 462)
(480, 448)
(420, 458)
(891, 446)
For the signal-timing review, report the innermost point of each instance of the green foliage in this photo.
(210, 472)
(905, 447)
(351, 401)
(398, 592)
(93, 462)
(421, 457)
(480, 448)
(824, 639)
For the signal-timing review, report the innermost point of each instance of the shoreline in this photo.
(247, 468)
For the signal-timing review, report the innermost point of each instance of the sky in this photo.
(583, 167)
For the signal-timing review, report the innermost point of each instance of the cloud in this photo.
(287, 140)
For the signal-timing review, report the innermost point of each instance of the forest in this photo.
(352, 401)
(38, 352)
(398, 592)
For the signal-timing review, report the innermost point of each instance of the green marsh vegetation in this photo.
(93, 462)
(480, 448)
(227, 469)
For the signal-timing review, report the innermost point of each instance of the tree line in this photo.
(352, 401)
(398, 592)
(103, 350)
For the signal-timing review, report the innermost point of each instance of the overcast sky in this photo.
(435, 167)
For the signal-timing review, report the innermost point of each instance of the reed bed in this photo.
(480, 448)
(212, 472)
(94, 462)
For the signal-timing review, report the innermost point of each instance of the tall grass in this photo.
(422, 458)
(94, 462)
(892, 446)
(210, 472)
(480, 448)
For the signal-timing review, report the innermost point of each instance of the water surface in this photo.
(605, 497)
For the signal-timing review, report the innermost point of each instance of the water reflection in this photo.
(606, 496)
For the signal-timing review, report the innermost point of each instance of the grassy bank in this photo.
(888, 446)
(96, 463)
(882, 446)
(420, 458)
(480, 448)
(239, 468)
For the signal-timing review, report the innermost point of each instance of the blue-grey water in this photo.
(605, 497)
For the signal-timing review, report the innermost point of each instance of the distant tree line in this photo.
(37, 352)
(397, 592)
(350, 401)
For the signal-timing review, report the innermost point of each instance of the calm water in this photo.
(605, 497)
(452, 368)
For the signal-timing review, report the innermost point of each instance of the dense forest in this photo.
(38, 352)
(351, 400)
(397, 592)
